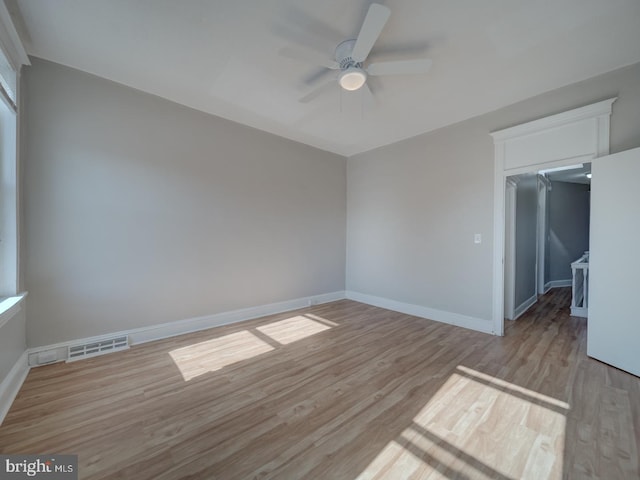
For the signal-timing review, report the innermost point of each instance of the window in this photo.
(12, 57)
(8, 202)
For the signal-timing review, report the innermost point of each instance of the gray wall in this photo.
(568, 227)
(414, 206)
(413, 210)
(13, 342)
(139, 211)
(526, 232)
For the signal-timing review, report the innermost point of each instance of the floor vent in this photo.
(93, 349)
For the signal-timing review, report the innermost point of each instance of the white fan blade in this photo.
(311, 58)
(400, 67)
(374, 22)
(325, 87)
(318, 77)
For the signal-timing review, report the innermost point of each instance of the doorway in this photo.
(561, 140)
(546, 229)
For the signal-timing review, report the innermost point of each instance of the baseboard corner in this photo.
(524, 306)
(441, 316)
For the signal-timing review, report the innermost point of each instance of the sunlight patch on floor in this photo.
(321, 319)
(513, 388)
(217, 353)
(292, 329)
(211, 355)
(478, 426)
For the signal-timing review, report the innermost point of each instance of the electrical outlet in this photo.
(477, 238)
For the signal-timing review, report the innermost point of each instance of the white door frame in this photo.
(543, 188)
(568, 138)
(510, 248)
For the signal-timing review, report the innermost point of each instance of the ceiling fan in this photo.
(350, 58)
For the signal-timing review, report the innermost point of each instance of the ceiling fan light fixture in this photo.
(352, 78)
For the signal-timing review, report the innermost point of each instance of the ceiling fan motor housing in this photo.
(343, 55)
(352, 75)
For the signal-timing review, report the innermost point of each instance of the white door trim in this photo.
(543, 188)
(566, 138)
(510, 248)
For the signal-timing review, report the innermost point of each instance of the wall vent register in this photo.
(93, 349)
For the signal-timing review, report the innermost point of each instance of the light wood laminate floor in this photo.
(341, 391)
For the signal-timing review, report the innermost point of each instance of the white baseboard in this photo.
(556, 284)
(579, 312)
(180, 327)
(11, 385)
(472, 323)
(524, 306)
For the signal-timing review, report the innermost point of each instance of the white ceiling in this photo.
(222, 57)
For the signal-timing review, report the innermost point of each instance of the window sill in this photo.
(9, 306)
